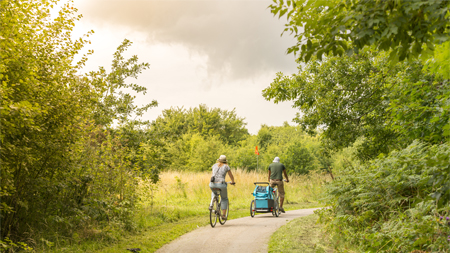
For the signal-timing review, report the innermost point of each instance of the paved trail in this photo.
(240, 235)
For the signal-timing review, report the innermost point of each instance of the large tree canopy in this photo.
(335, 27)
(361, 95)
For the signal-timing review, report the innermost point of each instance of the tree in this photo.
(61, 170)
(194, 152)
(335, 27)
(115, 103)
(43, 103)
(298, 159)
(294, 147)
(226, 125)
(243, 154)
(362, 95)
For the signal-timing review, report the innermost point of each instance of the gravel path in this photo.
(239, 235)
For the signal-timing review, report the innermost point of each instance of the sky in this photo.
(221, 53)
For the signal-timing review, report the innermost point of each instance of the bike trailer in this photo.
(263, 197)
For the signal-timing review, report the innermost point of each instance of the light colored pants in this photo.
(280, 186)
(223, 193)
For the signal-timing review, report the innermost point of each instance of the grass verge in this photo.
(300, 235)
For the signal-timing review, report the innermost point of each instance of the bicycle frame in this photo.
(215, 209)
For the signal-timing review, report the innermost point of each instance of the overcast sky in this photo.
(218, 53)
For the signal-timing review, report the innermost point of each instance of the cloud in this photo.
(240, 39)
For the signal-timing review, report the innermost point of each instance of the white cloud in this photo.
(218, 53)
(240, 39)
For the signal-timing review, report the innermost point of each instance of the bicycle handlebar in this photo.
(284, 180)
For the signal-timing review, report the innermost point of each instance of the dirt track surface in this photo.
(240, 235)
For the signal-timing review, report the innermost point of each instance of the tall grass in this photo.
(178, 203)
(182, 194)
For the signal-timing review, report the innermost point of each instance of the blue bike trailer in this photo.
(264, 202)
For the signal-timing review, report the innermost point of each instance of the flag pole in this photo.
(257, 156)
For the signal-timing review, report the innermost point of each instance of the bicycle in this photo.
(215, 210)
(276, 209)
(276, 203)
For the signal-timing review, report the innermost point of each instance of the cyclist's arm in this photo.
(285, 175)
(231, 176)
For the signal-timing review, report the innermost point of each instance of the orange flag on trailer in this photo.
(256, 150)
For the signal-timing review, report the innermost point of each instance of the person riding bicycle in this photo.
(276, 171)
(219, 172)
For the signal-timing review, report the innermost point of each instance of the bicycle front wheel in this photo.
(213, 213)
(221, 220)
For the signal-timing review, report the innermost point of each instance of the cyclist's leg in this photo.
(272, 183)
(213, 188)
(281, 194)
(224, 198)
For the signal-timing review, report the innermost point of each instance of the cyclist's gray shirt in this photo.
(221, 172)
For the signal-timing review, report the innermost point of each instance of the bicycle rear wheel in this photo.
(221, 220)
(276, 208)
(213, 213)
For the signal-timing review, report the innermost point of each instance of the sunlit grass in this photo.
(181, 194)
(301, 235)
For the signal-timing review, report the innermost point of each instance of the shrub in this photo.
(395, 203)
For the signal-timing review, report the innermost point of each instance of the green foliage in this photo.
(146, 152)
(294, 147)
(298, 158)
(337, 27)
(115, 103)
(440, 63)
(394, 203)
(193, 139)
(369, 106)
(361, 95)
(243, 155)
(43, 104)
(194, 153)
(7, 244)
(63, 174)
(226, 125)
(419, 106)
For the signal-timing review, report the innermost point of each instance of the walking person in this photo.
(219, 172)
(276, 171)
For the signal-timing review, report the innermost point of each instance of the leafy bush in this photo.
(243, 156)
(63, 172)
(195, 153)
(394, 203)
(297, 151)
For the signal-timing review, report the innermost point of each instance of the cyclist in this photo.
(276, 171)
(219, 172)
